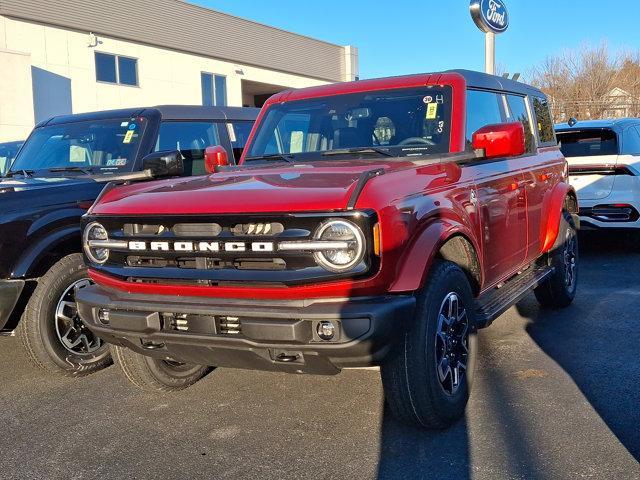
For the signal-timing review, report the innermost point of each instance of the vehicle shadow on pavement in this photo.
(598, 343)
(408, 452)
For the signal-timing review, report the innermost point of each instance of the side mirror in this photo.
(164, 164)
(501, 140)
(215, 157)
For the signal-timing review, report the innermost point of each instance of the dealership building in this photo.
(69, 56)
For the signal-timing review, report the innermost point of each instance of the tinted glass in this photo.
(207, 89)
(128, 71)
(239, 134)
(420, 116)
(587, 143)
(102, 146)
(106, 68)
(191, 138)
(518, 113)
(543, 117)
(221, 90)
(483, 108)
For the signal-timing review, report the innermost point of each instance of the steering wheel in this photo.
(415, 141)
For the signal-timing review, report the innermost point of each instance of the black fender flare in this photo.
(25, 266)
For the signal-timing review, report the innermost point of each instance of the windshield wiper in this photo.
(86, 171)
(287, 157)
(24, 173)
(358, 151)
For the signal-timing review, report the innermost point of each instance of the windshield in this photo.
(588, 143)
(409, 121)
(100, 146)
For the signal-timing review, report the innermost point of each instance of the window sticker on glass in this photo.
(77, 154)
(432, 111)
(116, 162)
(128, 136)
(297, 138)
(124, 124)
(232, 132)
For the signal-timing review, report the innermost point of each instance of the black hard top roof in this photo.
(167, 112)
(493, 82)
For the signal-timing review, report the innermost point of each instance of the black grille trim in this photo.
(227, 267)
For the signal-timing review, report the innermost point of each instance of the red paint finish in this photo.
(503, 140)
(508, 208)
(215, 157)
(553, 208)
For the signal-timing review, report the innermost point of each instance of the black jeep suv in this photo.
(59, 172)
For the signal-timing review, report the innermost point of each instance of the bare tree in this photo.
(590, 83)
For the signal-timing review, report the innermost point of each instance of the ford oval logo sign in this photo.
(490, 16)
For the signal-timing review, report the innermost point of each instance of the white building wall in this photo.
(16, 99)
(64, 57)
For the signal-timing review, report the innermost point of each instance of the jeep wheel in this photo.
(51, 330)
(559, 290)
(157, 375)
(427, 378)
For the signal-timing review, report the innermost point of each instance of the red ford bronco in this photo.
(372, 223)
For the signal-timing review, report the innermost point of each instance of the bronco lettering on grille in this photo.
(202, 246)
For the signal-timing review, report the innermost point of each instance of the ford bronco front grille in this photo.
(225, 250)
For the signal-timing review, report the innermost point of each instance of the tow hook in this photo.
(287, 358)
(151, 345)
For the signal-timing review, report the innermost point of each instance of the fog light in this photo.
(326, 330)
(103, 316)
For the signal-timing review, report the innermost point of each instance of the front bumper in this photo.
(251, 334)
(10, 291)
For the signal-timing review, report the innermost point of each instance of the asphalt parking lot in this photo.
(557, 396)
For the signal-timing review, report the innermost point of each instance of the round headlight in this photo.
(343, 259)
(95, 231)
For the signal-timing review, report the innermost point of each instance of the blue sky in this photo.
(410, 36)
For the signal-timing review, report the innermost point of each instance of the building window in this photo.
(214, 90)
(116, 69)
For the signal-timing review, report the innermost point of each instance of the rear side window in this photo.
(239, 134)
(191, 138)
(588, 143)
(518, 113)
(543, 117)
(483, 108)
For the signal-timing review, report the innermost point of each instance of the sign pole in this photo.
(490, 53)
(492, 18)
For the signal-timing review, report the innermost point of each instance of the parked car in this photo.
(8, 151)
(62, 168)
(604, 168)
(378, 222)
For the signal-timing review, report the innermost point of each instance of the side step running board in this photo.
(494, 303)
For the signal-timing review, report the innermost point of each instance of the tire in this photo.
(51, 330)
(155, 375)
(559, 290)
(414, 390)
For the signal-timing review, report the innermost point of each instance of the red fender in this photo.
(552, 207)
(420, 253)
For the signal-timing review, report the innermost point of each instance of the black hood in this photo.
(26, 193)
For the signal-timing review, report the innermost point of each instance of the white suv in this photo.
(604, 168)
